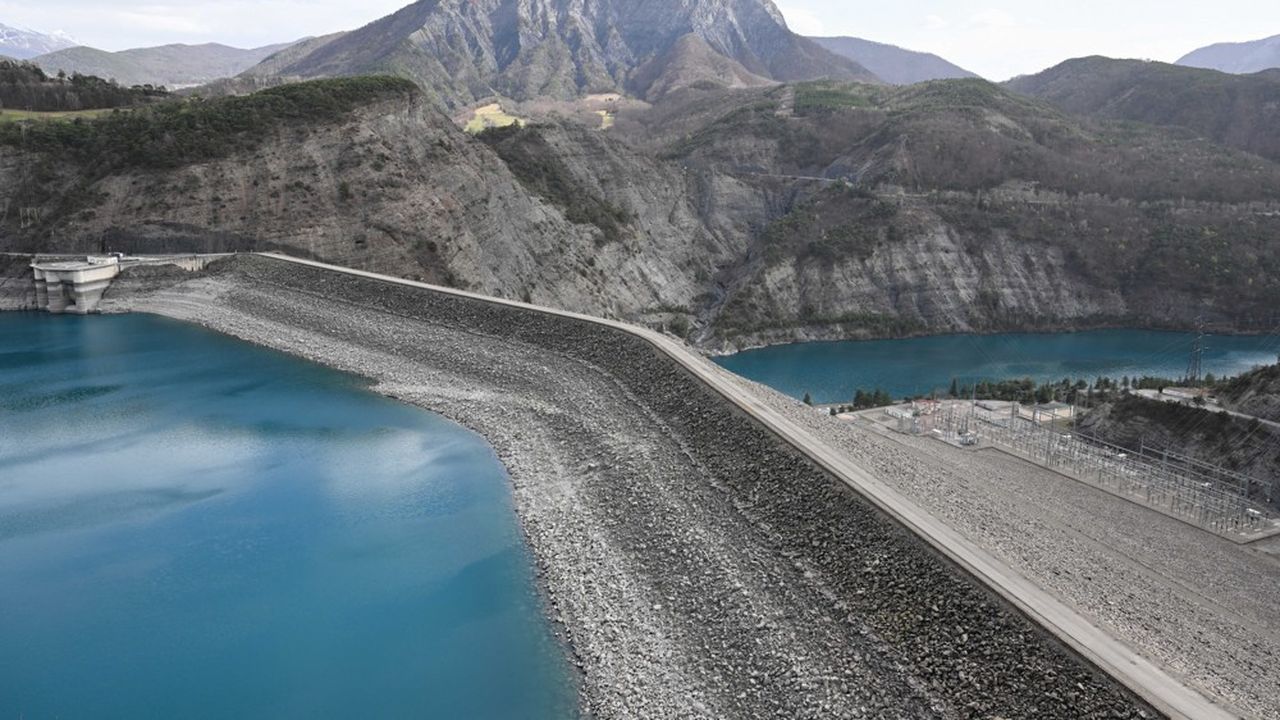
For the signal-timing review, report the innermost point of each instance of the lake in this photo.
(195, 527)
(832, 371)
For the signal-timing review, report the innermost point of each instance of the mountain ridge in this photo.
(1238, 111)
(174, 65)
(21, 44)
(707, 211)
(1240, 58)
(893, 64)
(465, 50)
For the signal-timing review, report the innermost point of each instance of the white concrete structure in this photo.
(67, 285)
(73, 286)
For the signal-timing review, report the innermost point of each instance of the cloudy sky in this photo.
(996, 38)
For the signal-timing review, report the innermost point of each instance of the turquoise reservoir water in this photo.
(831, 372)
(193, 527)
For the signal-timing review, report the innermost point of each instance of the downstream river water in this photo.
(193, 527)
(832, 371)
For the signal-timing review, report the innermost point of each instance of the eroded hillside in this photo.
(369, 174)
(958, 205)
(734, 217)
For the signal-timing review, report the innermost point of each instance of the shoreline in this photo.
(676, 590)
(600, 464)
(1065, 329)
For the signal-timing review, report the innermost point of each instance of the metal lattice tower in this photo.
(1195, 366)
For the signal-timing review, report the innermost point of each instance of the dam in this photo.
(713, 551)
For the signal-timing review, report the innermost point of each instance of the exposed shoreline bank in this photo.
(684, 580)
(605, 466)
(1052, 329)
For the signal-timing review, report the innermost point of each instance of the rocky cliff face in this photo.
(17, 284)
(1254, 393)
(959, 206)
(396, 187)
(937, 277)
(461, 50)
(733, 217)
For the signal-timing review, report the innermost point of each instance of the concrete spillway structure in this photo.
(73, 286)
(76, 286)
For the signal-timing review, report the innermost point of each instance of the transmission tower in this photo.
(1195, 366)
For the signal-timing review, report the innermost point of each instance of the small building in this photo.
(1050, 411)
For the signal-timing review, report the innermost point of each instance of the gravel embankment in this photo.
(1202, 606)
(17, 285)
(700, 568)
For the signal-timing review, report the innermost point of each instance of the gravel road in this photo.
(698, 567)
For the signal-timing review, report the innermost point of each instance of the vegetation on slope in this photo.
(1239, 111)
(1246, 446)
(1158, 225)
(25, 87)
(966, 135)
(170, 65)
(526, 152)
(1254, 393)
(175, 133)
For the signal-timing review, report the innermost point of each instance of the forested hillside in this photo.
(816, 210)
(24, 86)
(1240, 111)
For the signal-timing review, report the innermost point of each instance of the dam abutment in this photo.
(964, 639)
(853, 580)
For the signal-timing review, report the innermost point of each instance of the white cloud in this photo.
(163, 20)
(935, 22)
(992, 18)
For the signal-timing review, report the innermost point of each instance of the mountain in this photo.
(961, 204)
(1240, 111)
(266, 74)
(693, 63)
(893, 64)
(284, 56)
(168, 65)
(369, 172)
(1240, 58)
(758, 215)
(24, 44)
(463, 50)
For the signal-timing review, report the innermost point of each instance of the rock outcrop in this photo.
(463, 50)
(737, 217)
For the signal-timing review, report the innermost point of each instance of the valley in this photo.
(708, 211)
(543, 220)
